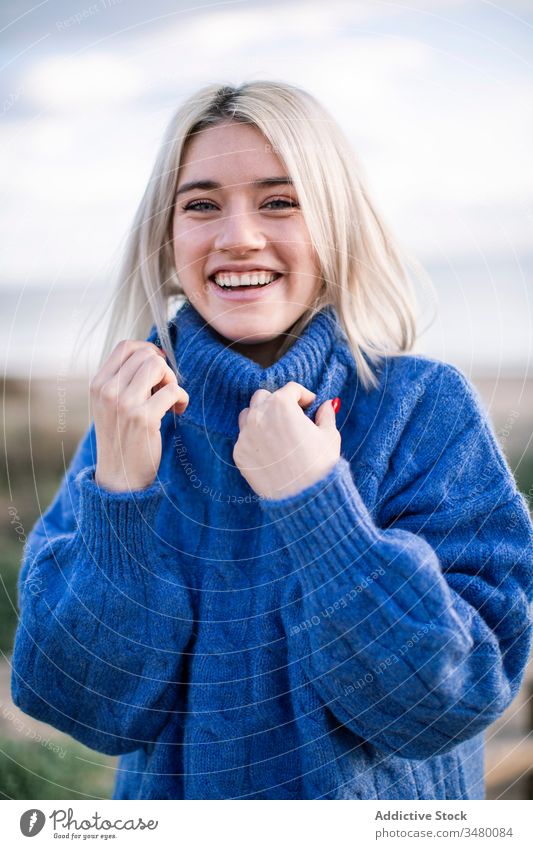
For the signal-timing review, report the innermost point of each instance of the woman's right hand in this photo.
(130, 394)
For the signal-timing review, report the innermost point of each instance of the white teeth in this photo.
(261, 278)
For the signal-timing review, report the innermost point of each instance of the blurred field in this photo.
(40, 436)
(36, 761)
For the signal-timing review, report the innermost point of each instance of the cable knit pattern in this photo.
(352, 641)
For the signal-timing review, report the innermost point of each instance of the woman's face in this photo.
(236, 216)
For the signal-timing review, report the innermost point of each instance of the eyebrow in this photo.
(210, 185)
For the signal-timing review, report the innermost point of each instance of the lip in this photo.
(243, 293)
(242, 269)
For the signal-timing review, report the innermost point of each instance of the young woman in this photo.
(288, 560)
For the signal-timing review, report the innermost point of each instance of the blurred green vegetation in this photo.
(10, 553)
(31, 770)
(34, 463)
(35, 458)
(523, 472)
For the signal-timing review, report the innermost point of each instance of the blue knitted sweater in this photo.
(352, 641)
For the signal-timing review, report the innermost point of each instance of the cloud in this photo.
(73, 83)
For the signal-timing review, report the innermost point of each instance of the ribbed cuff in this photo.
(326, 523)
(117, 524)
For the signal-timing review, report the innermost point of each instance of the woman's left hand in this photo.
(280, 451)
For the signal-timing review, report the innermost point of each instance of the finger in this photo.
(297, 392)
(325, 416)
(259, 396)
(170, 397)
(124, 376)
(120, 354)
(243, 415)
(153, 372)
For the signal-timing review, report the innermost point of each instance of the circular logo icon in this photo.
(32, 822)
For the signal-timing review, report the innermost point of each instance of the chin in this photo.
(245, 329)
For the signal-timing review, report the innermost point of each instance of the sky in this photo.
(436, 98)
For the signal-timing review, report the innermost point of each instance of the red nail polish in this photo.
(336, 404)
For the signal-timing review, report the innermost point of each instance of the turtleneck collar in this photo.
(220, 381)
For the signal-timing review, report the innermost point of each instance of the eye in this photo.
(196, 204)
(290, 203)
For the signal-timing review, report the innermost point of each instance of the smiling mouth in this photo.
(244, 285)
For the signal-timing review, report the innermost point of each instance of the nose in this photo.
(240, 232)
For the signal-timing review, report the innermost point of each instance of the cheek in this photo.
(183, 236)
(307, 264)
(190, 232)
(188, 247)
(304, 254)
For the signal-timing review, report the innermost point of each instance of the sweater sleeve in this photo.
(104, 619)
(415, 629)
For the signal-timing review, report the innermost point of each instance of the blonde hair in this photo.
(364, 273)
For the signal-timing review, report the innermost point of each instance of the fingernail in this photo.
(336, 404)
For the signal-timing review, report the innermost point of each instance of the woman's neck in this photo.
(264, 354)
